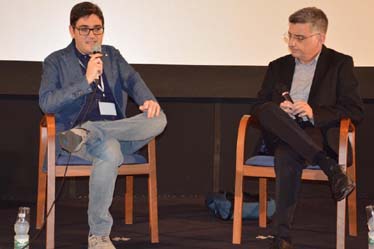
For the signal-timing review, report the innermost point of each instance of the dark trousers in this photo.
(294, 145)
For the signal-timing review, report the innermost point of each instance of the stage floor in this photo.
(185, 223)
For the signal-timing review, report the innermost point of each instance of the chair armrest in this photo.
(48, 139)
(347, 133)
(152, 151)
(240, 142)
(48, 121)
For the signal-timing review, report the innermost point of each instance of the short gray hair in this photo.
(316, 17)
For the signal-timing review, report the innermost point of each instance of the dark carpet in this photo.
(185, 222)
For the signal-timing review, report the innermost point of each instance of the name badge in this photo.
(107, 108)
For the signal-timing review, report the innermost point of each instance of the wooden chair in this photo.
(263, 171)
(47, 181)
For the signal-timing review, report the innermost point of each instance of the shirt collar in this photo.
(84, 58)
(311, 63)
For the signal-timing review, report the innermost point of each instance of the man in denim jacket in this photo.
(86, 86)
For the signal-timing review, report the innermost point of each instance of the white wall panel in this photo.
(196, 32)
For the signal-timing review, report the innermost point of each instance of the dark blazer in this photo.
(334, 93)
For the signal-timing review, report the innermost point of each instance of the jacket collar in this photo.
(321, 68)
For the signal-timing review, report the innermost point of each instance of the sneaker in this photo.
(73, 140)
(100, 242)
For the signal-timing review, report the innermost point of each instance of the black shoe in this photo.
(341, 185)
(280, 244)
(72, 140)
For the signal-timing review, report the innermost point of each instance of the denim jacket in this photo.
(64, 88)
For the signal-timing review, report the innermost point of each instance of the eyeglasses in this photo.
(298, 38)
(85, 31)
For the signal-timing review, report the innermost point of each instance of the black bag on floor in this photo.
(222, 205)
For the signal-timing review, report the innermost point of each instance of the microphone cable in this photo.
(59, 191)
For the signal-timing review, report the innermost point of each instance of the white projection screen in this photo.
(188, 32)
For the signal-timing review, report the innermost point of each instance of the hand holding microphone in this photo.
(95, 66)
(286, 96)
(288, 106)
(298, 110)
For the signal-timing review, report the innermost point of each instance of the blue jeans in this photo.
(107, 144)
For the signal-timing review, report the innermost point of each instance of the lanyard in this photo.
(101, 85)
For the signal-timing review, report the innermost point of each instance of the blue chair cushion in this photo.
(62, 160)
(268, 161)
(75, 160)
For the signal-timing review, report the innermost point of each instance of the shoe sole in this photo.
(347, 191)
(70, 141)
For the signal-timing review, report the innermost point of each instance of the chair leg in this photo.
(50, 224)
(238, 207)
(129, 200)
(41, 198)
(352, 213)
(352, 201)
(42, 179)
(263, 202)
(340, 224)
(153, 206)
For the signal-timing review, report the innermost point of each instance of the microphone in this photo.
(286, 96)
(97, 50)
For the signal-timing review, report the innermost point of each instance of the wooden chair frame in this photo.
(47, 182)
(347, 132)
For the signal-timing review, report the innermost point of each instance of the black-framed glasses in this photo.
(299, 38)
(85, 31)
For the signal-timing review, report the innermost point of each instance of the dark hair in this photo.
(85, 9)
(316, 17)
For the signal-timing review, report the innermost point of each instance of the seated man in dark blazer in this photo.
(303, 129)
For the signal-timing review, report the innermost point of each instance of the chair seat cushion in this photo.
(75, 160)
(268, 161)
